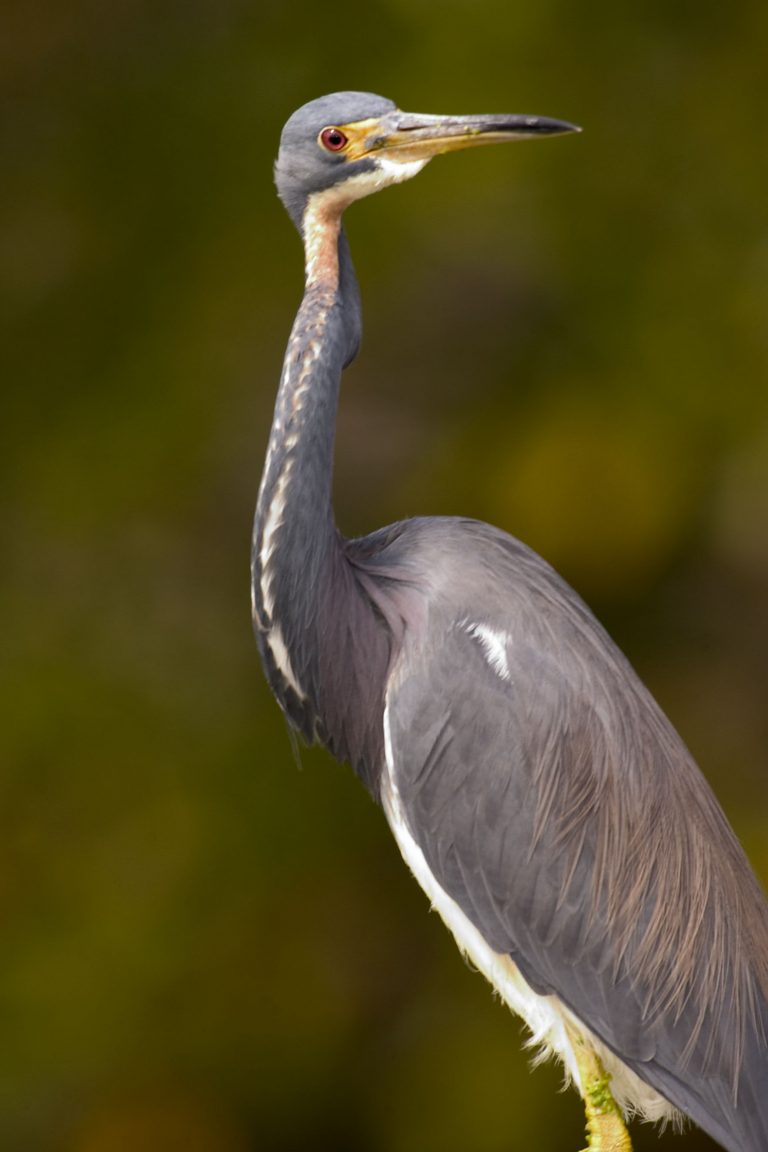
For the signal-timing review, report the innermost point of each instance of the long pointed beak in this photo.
(407, 136)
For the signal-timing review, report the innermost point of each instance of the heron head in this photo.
(349, 144)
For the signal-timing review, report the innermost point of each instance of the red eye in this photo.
(333, 139)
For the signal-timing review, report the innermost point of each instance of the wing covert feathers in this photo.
(561, 811)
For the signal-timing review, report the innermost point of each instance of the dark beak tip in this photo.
(560, 127)
(539, 126)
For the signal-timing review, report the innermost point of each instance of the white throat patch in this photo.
(387, 171)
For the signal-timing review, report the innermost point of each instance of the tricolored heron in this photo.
(537, 792)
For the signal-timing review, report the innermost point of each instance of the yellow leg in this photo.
(606, 1131)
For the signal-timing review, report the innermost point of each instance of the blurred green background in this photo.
(204, 947)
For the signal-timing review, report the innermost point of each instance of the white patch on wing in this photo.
(494, 645)
(550, 1023)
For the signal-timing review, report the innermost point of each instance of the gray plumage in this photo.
(552, 800)
(561, 811)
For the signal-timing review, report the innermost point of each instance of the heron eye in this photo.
(333, 139)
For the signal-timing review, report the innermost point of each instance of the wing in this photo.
(557, 807)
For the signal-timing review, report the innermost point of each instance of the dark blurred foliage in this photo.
(202, 946)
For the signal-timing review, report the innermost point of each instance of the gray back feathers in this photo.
(558, 807)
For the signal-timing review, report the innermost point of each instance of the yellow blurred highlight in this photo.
(600, 495)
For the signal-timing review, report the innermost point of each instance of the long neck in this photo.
(294, 517)
(300, 577)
